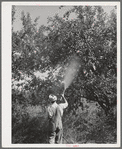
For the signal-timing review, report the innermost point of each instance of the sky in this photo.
(44, 12)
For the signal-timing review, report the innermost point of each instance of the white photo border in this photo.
(6, 74)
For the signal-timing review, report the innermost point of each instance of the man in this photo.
(55, 113)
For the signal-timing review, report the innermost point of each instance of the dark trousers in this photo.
(56, 136)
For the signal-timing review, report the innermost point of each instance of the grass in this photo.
(90, 125)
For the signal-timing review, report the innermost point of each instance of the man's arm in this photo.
(65, 104)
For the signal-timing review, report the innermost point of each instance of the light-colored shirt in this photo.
(62, 106)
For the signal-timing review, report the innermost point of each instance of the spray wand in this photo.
(64, 88)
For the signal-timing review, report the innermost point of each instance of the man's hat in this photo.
(52, 97)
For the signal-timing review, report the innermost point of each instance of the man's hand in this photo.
(62, 96)
(65, 101)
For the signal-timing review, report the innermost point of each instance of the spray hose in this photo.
(66, 140)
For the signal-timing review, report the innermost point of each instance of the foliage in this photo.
(31, 126)
(89, 125)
